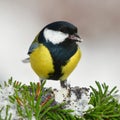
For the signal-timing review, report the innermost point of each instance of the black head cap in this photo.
(62, 26)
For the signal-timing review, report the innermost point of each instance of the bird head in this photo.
(59, 32)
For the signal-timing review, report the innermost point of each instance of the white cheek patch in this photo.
(55, 37)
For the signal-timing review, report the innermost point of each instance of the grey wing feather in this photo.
(32, 47)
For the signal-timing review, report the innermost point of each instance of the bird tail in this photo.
(26, 60)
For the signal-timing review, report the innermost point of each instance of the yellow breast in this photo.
(71, 64)
(41, 62)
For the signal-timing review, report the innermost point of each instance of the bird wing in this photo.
(34, 45)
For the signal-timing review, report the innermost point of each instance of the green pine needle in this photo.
(106, 107)
(31, 103)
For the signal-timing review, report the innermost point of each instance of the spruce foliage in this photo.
(37, 102)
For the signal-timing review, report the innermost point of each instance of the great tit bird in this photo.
(55, 53)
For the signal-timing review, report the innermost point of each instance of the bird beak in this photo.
(75, 37)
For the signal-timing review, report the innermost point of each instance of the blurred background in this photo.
(98, 24)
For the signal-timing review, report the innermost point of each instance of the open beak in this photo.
(75, 37)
